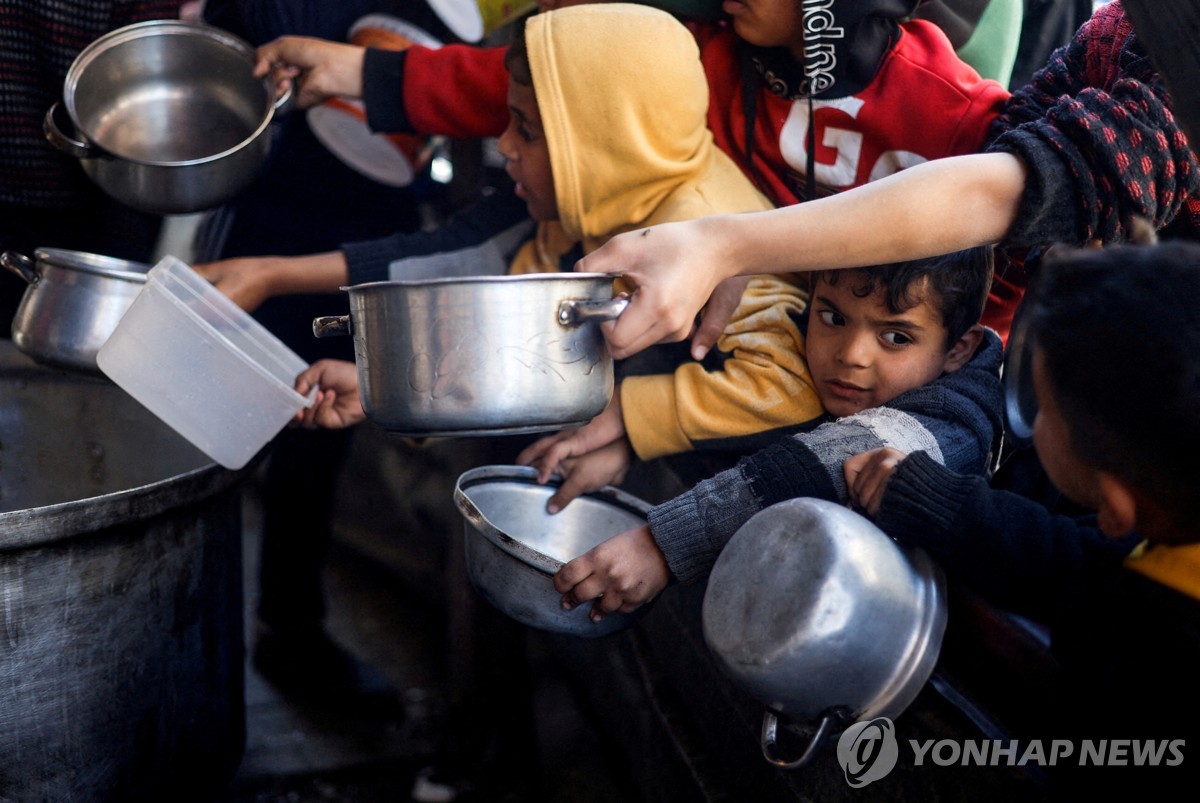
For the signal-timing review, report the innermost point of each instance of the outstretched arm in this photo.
(932, 208)
(249, 281)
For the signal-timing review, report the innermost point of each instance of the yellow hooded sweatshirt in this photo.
(623, 99)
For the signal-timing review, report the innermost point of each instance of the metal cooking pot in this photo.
(487, 355)
(121, 665)
(822, 617)
(514, 547)
(72, 304)
(168, 115)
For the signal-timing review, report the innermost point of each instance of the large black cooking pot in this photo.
(121, 659)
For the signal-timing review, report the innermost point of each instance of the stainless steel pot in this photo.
(121, 665)
(823, 618)
(168, 116)
(72, 304)
(514, 547)
(483, 355)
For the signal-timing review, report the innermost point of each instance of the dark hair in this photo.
(1119, 333)
(516, 58)
(960, 280)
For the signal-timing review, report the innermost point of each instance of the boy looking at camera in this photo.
(896, 355)
(1117, 430)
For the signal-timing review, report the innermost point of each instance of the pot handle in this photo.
(284, 100)
(74, 147)
(574, 312)
(770, 731)
(21, 265)
(332, 326)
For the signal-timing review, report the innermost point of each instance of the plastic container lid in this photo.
(203, 365)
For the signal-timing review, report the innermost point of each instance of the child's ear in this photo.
(963, 349)
(1117, 514)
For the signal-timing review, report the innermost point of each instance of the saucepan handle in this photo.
(77, 148)
(332, 326)
(21, 265)
(575, 312)
(770, 736)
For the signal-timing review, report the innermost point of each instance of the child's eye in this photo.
(897, 338)
(525, 133)
(831, 318)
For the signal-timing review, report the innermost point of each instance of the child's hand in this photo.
(549, 453)
(242, 280)
(621, 574)
(715, 316)
(320, 68)
(867, 476)
(337, 405)
(605, 466)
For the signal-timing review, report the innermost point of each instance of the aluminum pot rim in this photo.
(445, 281)
(510, 544)
(170, 27)
(127, 270)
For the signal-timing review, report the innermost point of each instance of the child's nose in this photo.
(854, 350)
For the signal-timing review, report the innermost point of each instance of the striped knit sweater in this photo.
(39, 39)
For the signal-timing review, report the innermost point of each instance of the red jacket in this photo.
(925, 103)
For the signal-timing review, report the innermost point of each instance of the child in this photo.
(892, 352)
(1088, 147)
(1117, 430)
(594, 149)
(882, 94)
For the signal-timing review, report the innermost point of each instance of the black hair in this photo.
(960, 281)
(516, 58)
(1118, 329)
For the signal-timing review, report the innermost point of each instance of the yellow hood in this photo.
(623, 101)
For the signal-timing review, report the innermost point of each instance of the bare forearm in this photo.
(316, 273)
(929, 209)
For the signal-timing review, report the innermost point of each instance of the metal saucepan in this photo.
(488, 355)
(72, 304)
(514, 547)
(168, 115)
(822, 617)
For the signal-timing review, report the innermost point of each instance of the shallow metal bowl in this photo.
(514, 547)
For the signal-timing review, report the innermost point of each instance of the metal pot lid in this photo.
(123, 269)
(813, 609)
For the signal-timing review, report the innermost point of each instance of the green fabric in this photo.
(992, 48)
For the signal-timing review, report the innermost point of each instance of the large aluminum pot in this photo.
(121, 662)
(72, 305)
(822, 617)
(514, 547)
(482, 355)
(168, 116)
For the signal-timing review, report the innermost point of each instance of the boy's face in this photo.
(863, 355)
(769, 23)
(523, 144)
(1052, 440)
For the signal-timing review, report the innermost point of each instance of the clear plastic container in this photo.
(203, 365)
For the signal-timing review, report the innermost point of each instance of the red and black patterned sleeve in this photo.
(1096, 131)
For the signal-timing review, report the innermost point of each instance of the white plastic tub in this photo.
(203, 365)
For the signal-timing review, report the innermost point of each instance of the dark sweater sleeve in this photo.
(1096, 133)
(480, 239)
(1009, 548)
